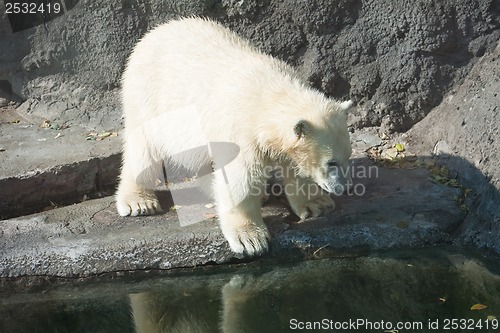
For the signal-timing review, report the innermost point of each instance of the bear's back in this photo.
(199, 63)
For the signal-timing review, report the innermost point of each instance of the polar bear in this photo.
(192, 81)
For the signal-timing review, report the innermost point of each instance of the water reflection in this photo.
(425, 287)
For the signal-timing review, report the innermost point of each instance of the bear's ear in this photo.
(301, 128)
(344, 106)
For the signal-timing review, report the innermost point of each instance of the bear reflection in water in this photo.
(199, 311)
(341, 290)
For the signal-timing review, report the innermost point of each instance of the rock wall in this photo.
(394, 59)
(463, 132)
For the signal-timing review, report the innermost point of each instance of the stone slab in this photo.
(400, 208)
(43, 167)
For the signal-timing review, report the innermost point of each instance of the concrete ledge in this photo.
(400, 209)
(43, 166)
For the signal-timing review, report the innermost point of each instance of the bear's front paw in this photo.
(134, 204)
(312, 207)
(240, 289)
(250, 238)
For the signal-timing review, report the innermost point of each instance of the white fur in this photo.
(192, 81)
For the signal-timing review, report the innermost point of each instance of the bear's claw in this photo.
(138, 204)
(250, 240)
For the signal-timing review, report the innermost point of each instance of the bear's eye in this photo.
(332, 164)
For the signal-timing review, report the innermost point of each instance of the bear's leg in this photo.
(138, 176)
(237, 296)
(306, 198)
(241, 221)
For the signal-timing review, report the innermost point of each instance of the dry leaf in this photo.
(373, 153)
(390, 153)
(100, 136)
(384, 136)
(210, 215)
(103, 135)
(399, 147)
(490, 318)
(175, 207)
(478, 307)
(91, 136)
(55, 127)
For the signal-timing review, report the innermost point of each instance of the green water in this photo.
(425, 291)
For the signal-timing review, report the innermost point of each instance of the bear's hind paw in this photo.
(135, 205)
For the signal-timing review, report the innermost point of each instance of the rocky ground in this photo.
(398, 201)
(60, 130)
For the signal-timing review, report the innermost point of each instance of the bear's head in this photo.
(321, 147)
